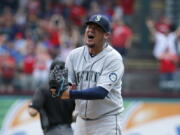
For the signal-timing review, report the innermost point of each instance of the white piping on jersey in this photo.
(89, 79)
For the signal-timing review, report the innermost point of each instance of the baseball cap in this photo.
(100, 20)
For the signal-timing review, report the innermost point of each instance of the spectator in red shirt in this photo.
(8, 69)
(127, 6)
(164, 51)
(55, 29)
(121, 37)
(77, 14)
(28, 67)
(128, 10)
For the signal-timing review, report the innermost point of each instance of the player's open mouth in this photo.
(90, 37)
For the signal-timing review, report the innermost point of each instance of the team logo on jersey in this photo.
(113, 77)
(98, 18)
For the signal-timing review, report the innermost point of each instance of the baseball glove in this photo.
(58, 78)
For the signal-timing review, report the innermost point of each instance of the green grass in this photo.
(5, 104)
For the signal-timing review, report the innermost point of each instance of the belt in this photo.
(88, 119)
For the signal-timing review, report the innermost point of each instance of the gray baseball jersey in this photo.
(106, 70)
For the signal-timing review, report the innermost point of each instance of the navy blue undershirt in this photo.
(89, 94)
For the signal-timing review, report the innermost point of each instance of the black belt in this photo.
(88, 119)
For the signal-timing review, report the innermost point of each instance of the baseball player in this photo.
(96, 69)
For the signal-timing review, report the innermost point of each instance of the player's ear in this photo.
(106, 36)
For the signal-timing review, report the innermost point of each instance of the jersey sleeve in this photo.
(111, 74)
(69, 66)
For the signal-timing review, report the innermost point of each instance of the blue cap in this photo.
(100, 20)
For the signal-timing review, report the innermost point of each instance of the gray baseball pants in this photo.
(107, 125)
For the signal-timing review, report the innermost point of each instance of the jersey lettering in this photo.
(87, 76)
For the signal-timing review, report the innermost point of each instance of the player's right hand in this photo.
(65, 94)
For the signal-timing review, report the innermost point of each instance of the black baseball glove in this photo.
(58, 78)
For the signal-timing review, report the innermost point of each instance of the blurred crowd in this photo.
(166, 38)
(34, 32)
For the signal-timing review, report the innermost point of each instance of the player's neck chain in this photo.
(92, 55)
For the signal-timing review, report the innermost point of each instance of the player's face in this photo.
(94, 35)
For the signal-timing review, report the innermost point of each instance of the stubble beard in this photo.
(91, 45)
